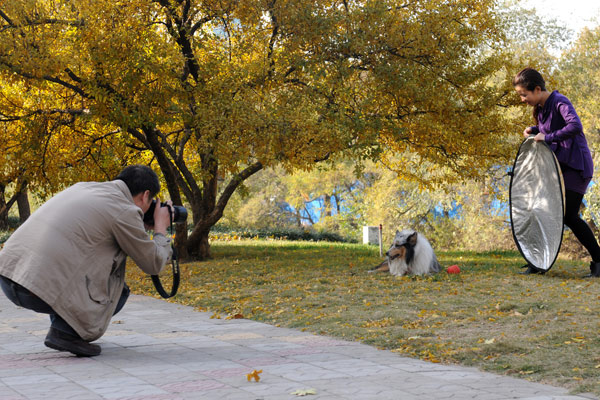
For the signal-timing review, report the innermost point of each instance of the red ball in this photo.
(453, 269)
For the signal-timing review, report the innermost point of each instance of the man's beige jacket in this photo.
(71, 252)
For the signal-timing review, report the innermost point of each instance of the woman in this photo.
(559, 126)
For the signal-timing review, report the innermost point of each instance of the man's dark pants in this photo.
(24, 298)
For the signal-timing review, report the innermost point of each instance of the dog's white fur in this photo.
(424, 260)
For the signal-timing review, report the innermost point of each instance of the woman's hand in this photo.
(527, 132)
(540, 137)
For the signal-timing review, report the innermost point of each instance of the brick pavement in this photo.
(155, 350)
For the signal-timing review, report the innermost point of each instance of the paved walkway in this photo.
(156, 350)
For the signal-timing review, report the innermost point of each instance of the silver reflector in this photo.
(537, 204)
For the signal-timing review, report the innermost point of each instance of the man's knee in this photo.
(9, 290)
(22, 297)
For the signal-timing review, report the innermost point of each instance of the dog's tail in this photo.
(383, 267)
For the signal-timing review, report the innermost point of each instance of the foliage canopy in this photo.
(214, 91)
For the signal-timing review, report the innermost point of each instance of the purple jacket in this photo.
(564, 133)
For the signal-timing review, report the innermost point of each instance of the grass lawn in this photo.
(541, 328)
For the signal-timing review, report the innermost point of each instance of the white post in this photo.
(380, 241)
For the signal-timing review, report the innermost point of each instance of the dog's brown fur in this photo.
(383, 267)
(393, 253)
(410, 253)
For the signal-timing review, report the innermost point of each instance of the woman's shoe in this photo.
(594, 270)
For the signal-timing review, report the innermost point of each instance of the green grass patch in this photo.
(541, 328)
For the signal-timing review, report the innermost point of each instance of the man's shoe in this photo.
(61, 341)
(594, 270)
(531, 270)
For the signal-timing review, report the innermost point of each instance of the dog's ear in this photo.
(412, 239)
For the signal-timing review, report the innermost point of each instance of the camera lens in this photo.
(179, 214)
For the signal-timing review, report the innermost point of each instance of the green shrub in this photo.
(13, 223)
(280, 233)
(4, 235)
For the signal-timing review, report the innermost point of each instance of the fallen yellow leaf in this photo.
(254, 374)
(304, 392)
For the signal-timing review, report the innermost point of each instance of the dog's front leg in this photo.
(383, 267)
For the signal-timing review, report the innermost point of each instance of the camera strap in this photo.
(175, 286)
(175, 266)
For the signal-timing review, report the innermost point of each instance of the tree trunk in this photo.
(3, 210)
(298, 218)
(204, 246)
(23, 204)
(204, 211)
(198, 246)
(181, 237)
(208, 210)
(308, 216)
(327, 205)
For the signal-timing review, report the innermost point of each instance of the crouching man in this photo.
(68, 258)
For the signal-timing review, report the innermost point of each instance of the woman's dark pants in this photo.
(578, 226)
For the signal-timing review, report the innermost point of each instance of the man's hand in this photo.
(162, 218)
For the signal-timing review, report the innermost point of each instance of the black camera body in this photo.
(178, 215)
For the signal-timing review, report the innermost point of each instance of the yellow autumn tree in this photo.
(580, 78)
(44, 147)
(218, 90)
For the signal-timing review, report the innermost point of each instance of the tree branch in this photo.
(12, 118)
(52, 21)
(233, 184)
(6, 18)
(199, 24)
(48, 78)
(274, 34)
(187, 177)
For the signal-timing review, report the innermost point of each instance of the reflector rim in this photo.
(562, 190)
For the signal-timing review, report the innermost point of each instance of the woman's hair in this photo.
(529, 78)
(140, 178)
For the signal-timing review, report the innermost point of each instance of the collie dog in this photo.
(410, 253)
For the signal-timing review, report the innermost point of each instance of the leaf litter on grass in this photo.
(541, 328)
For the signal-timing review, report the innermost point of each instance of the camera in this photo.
(178, 213)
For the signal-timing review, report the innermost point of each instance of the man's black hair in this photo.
(140, 178)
